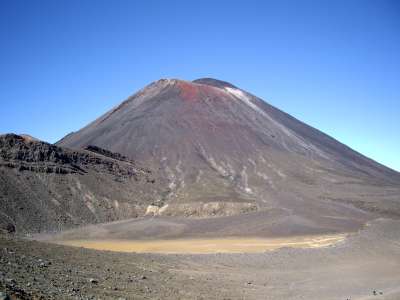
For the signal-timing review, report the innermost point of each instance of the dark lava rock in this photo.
(10, 228)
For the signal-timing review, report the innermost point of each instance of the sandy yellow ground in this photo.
(223, 245)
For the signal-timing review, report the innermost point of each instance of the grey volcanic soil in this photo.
(266, 224)
(367, 261)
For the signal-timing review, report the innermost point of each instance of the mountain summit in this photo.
(224, 152)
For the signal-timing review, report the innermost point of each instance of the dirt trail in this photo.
(204, 246)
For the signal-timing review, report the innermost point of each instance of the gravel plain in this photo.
(366, 265)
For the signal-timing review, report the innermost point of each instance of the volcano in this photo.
(190, 168)
(225, 152)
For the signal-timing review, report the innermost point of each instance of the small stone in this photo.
(93, 281)
(10, 228)
(10, 281)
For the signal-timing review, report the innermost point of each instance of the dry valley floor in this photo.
(365, 265)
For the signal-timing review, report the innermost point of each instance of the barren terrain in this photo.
(209, 193)
(366, 265)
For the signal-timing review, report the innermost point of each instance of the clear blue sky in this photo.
(332, 64)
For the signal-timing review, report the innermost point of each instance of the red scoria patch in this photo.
(188, 91)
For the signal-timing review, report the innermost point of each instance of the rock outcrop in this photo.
(44, 187)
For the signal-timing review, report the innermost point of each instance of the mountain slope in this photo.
(224, 151)
(45, 187)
